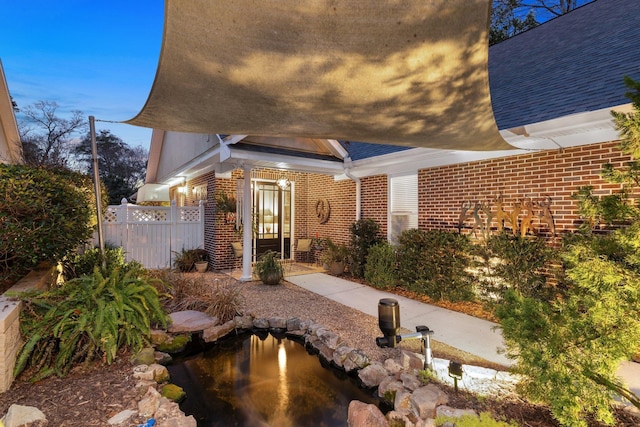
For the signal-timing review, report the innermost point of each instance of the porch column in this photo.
(247, 244)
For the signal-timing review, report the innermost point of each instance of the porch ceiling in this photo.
(409, 72)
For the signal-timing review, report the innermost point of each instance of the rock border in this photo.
(398, 379)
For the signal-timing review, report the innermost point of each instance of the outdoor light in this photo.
(389, 323)
(283, 182)
(455, 372)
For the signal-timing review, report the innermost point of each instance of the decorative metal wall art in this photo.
(519, 220)
(323, 210)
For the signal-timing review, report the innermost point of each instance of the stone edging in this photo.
(414, 402)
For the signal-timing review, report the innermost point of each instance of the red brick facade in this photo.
(441, 192)
(557, 174)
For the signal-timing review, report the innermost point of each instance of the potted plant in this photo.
(268, 268)
(227, 205)
(188, 259)
(335, 256)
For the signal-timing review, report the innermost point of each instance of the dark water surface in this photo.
(265, 381)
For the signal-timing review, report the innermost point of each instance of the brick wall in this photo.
(374, 200)
(342, 199)
(556, 173)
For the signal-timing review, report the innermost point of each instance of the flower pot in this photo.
(271, 277)
(201, 266)
(336, 268)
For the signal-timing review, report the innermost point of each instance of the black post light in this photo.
(389, 323)
(455, 372)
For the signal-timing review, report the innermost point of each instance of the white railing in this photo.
(152, 234)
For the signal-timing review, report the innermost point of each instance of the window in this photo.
(403, 205)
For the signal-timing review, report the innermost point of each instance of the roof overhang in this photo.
(574, 130)
(410, 72)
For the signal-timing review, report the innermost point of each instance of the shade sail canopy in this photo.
(404, 72)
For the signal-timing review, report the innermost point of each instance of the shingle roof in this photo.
(364, 150)
(571, 64)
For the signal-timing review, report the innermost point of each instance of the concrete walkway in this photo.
(464, 332)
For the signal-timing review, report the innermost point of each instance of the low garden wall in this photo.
(10, 325)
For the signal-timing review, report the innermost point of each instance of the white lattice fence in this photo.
(151, 234)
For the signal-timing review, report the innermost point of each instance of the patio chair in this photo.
(304, 246)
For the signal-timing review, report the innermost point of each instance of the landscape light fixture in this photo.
(389, 323)
(455, 372)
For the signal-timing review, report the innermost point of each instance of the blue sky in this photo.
(98, 57)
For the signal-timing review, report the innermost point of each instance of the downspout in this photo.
(358, 188)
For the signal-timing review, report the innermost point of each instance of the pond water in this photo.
(265, 381)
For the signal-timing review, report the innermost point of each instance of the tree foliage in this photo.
(46, 137)
(569, 350)
(511, 17)
(45, 214)
(121, 167)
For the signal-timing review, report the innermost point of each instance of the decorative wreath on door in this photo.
(323, 210)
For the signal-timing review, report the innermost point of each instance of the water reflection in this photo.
(253, 381)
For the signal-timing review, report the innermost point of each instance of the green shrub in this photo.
(435, 263)
(380, 269)
(45, 215)
(365, 233)
(82, 264)
(514, 262)
(87, 318)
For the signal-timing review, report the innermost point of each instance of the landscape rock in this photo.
(426, 399)
(145, 356)
(159, 336)
(325, 353)
(190, 321)
(329, 338)
(261, 323)
(244, 322)
(340, 354)
(410, 381)
(122, 417)
(162, 358)
(24, 416)
(361, 414)
(372, 375)
(214, 333)
(355, 360)
(278, 323)
(153, 372)
(392, 366)
(150, 403)
(399, 418)
(294, 324)
(169, 414)
(402, 402)
(411, 360)
(389, 385)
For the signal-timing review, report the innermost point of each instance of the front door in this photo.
(273, 216)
